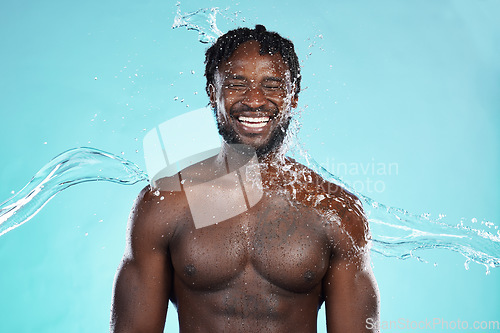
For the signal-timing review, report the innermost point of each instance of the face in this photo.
(253, 96)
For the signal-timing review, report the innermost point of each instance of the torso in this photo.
(259, 270)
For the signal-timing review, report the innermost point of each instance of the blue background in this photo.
(414, 83)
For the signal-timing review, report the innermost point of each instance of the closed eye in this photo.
(235, 86)
(273, 83)
(273, 87)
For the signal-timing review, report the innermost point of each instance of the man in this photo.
(264, 263)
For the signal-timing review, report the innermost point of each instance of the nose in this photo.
(254, 97)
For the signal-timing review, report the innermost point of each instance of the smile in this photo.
(255, 122)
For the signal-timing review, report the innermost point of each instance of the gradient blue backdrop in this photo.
(415, 83)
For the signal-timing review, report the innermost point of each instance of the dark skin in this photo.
(303, 244)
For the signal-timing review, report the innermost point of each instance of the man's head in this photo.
(253, 80)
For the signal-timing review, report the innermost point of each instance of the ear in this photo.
(212, 95)
(294, 101)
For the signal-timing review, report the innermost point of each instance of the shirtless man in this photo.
(269, 268)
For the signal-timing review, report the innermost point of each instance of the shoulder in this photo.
(336, 203)
(155, 216)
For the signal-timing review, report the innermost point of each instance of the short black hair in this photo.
(270, 43)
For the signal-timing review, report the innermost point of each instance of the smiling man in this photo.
(248, 240)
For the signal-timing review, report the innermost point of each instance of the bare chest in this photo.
(272, 244)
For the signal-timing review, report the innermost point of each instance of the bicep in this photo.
(351, 297)
(143, 281)
(349, 287)
(140, 297)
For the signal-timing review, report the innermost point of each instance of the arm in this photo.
(143, 281)
(350, 289)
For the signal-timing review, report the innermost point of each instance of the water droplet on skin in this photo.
(156, 193)
(162, 197)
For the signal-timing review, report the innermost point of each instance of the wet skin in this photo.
(253, 86)
(266, 270)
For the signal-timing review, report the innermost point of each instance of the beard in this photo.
(274, 142)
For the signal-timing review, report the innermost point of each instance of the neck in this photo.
(240, 154)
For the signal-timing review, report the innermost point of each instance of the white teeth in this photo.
(254, 122)
(253, 119)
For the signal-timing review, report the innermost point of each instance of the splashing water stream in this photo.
(396, 233)
(72, 167)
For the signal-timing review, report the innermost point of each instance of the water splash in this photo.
(72, 167)
(400, 234)
(396, 233)
(203, 21)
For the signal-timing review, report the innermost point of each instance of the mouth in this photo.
(254, 122)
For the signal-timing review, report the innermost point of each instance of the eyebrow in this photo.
(236, 77)
(275, 79)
